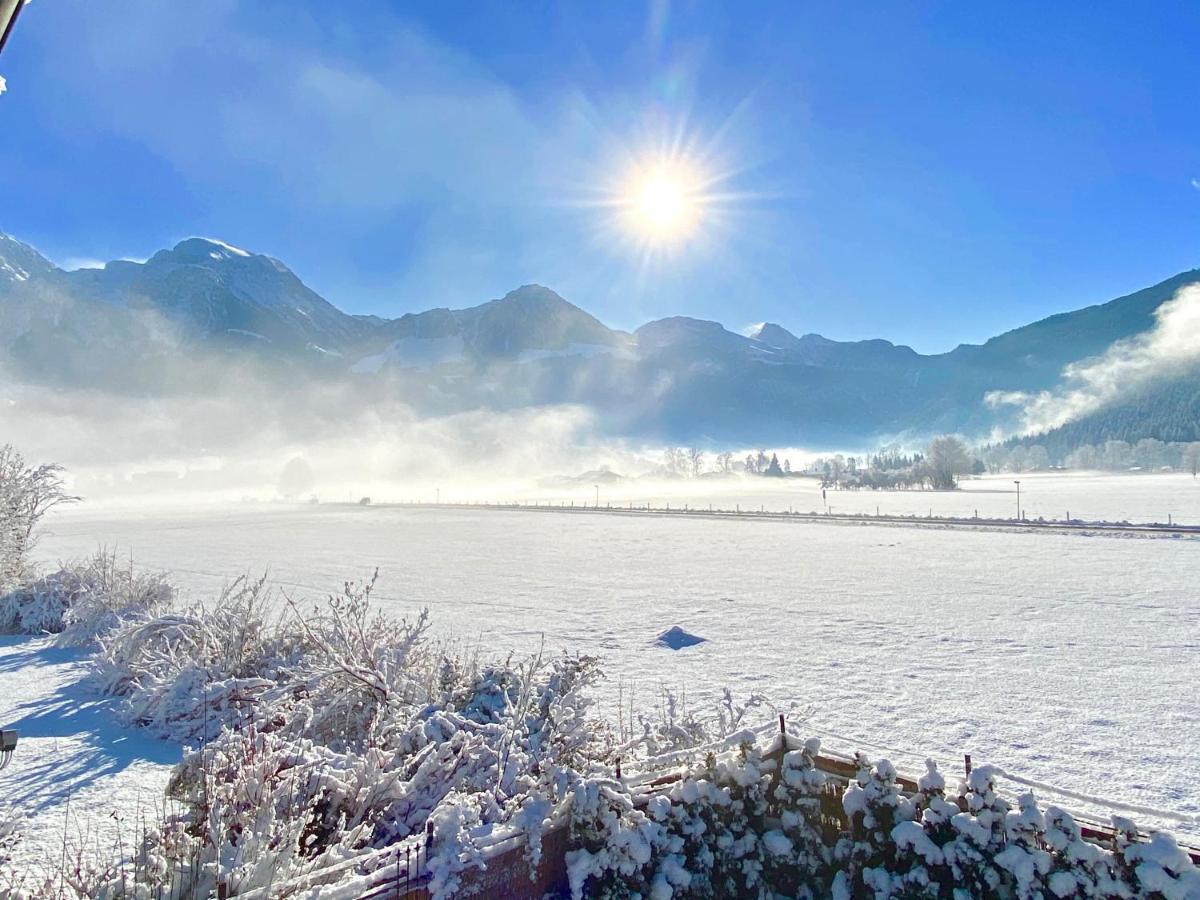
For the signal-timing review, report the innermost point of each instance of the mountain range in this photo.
(138, 327)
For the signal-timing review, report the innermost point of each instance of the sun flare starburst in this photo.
(664, 202)
(670, 195)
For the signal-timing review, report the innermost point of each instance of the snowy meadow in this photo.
(914, 624)
(1065, 660)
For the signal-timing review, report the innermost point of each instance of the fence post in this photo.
(428, 841)
(967, 763)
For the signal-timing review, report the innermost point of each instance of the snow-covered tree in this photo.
(27, 493)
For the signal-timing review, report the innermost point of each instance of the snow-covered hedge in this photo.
(752, 826)
(84, 600)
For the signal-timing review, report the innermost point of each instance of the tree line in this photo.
(938, 466)
(1146, 454)
(692, 462)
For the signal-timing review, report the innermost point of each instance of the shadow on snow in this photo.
(74, 712)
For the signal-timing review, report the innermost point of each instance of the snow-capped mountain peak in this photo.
(19, 262)
(774, 336)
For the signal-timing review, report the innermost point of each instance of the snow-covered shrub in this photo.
(37, 607)
(84, 600)
(104, 593)
(327, 735)
(186, 673)
(11, 820)
(671, 730)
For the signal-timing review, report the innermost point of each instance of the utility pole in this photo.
(1017, 482)
(597, 487)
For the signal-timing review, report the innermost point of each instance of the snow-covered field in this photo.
(1065, 659)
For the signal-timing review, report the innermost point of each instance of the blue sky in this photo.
(928, 172)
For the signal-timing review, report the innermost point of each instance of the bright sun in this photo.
(663, 202)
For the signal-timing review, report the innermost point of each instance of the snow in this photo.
(249, 334)
(226, 250)
(413, 353)
(319, 349)
(1065, 660)
(76, 773)
(17, 274)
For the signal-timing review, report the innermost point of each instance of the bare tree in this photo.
(725, 462)
(675, 460)
(695, 457)
(1191, 457)
(26, 494)
(946, 459)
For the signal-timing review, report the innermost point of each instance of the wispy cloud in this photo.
(73, 263)
(354, 127)
(1196, 183)
(1170, 348)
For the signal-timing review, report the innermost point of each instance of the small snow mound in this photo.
(676, 638)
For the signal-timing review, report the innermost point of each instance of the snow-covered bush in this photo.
(185, 673)
(324, 736)
(84, 600)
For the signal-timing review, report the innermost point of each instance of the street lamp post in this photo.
(1017, 482)
(597, 487)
